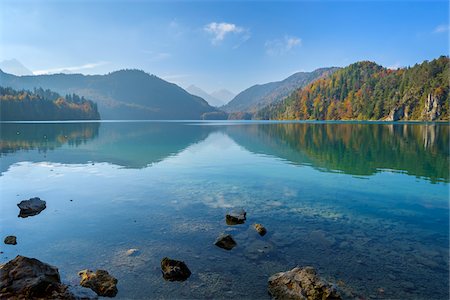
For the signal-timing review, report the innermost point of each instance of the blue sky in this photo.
(215, 44)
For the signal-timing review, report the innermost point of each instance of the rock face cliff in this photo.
(432, 109)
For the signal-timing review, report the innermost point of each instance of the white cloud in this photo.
(282, 46)
(220, 30)
(71, 69)
(441, 29)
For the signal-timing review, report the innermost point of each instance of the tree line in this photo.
(44, 105)
(367, 91)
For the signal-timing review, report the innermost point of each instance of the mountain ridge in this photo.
(258, 96)
(122, 94)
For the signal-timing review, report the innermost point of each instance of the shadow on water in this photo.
(357, 149)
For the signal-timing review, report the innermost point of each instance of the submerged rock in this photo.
(225, 241)
(260, 229)
(132, 252)
(99, 281)
(236, 217)
(29, 278)
(301, 284)
(10, 240)
(31, 207)
(258, 249)
(174, 270)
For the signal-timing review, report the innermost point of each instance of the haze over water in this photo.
(366, 204)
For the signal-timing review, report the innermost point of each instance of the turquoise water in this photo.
(366, 204)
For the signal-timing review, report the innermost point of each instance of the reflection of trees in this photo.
(128, 144)
(358, 149)
(43, 137)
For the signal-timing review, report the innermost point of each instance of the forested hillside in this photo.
(124, 94)
(367, 91)
(44, 105)
(261, 95)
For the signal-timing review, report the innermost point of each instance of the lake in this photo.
(366, 204)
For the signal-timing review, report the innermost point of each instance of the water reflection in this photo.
(358, 149)
(43, 137)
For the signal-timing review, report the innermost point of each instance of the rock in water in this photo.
(31, 207)
(301, 284)
(225, 241)
(236, 217)
(260, 229)
(10, 240)
(174, 270)
(29, 278)
(132, 252)
(99, 281)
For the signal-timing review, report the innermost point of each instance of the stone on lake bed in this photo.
(236, 217)
(174, 270)
(258, 249)
(10, 240)
(301, 284)
(132, 252)
(29, 278)
(31, 207)
(225, 241)
(99, 281)
(260, 229)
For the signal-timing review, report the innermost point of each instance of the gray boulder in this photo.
(31, 207)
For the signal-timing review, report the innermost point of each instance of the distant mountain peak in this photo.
(195, 90)
(15, 67)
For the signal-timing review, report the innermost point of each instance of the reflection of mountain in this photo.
(133, 145)
(358, 149)
(136, 145)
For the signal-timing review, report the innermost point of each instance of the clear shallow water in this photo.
(366, 204)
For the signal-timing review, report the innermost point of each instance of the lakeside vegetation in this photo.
(44, 105)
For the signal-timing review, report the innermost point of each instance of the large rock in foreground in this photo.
(301, 284)
(99, 281)
(174, 270)
(31, 207)
(29, 278)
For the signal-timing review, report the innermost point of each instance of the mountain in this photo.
(261, 95)
(44, 105)
(367, 91)
(223, 95)
(213, 101)
(13, 66)
(216, 98)
(125, 94)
